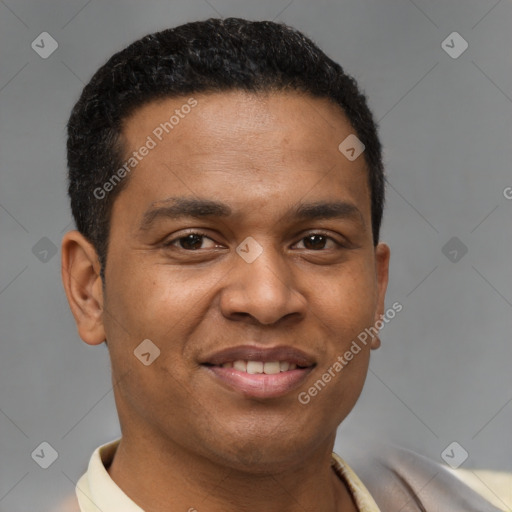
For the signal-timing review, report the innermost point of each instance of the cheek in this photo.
(148, 305)
(333, 394)
(143, 296)
(348, 303)
(156, 302)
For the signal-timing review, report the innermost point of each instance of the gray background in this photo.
(443, 372)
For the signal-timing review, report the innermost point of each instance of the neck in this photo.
(161, 476)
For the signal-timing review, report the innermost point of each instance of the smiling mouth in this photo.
(262, 373)
(260, 367)
(256, 379)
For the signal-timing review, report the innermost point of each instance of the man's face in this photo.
(305, 285)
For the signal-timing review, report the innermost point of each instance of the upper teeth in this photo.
(269, 368)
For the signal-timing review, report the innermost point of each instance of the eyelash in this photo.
(170, 243)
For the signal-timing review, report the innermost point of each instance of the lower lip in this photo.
(260, 385)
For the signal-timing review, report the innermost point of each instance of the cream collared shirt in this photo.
(97, 492)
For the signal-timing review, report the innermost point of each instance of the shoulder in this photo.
(399, 479)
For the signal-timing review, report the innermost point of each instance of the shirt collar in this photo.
(361, 495)
(97, 492)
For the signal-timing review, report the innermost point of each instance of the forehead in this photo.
(237, 120)
(244, 146)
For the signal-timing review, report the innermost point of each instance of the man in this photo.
(227, 185)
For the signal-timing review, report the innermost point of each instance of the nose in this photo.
(264, 291)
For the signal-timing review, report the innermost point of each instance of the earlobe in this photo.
(382, 255)
(375, 344)
(80, 272)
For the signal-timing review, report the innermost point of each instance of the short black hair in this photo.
(215, 55)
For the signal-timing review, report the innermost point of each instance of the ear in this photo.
(82, 282)
(382, 254)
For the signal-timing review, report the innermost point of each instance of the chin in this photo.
(262, 455)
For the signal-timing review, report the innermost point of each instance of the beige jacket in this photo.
(394, 479)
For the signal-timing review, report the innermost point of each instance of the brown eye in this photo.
(317, 241)
(314, 242)
(190, 242)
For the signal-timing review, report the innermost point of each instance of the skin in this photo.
(187, 440)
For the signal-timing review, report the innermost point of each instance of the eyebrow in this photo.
(179, 207)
